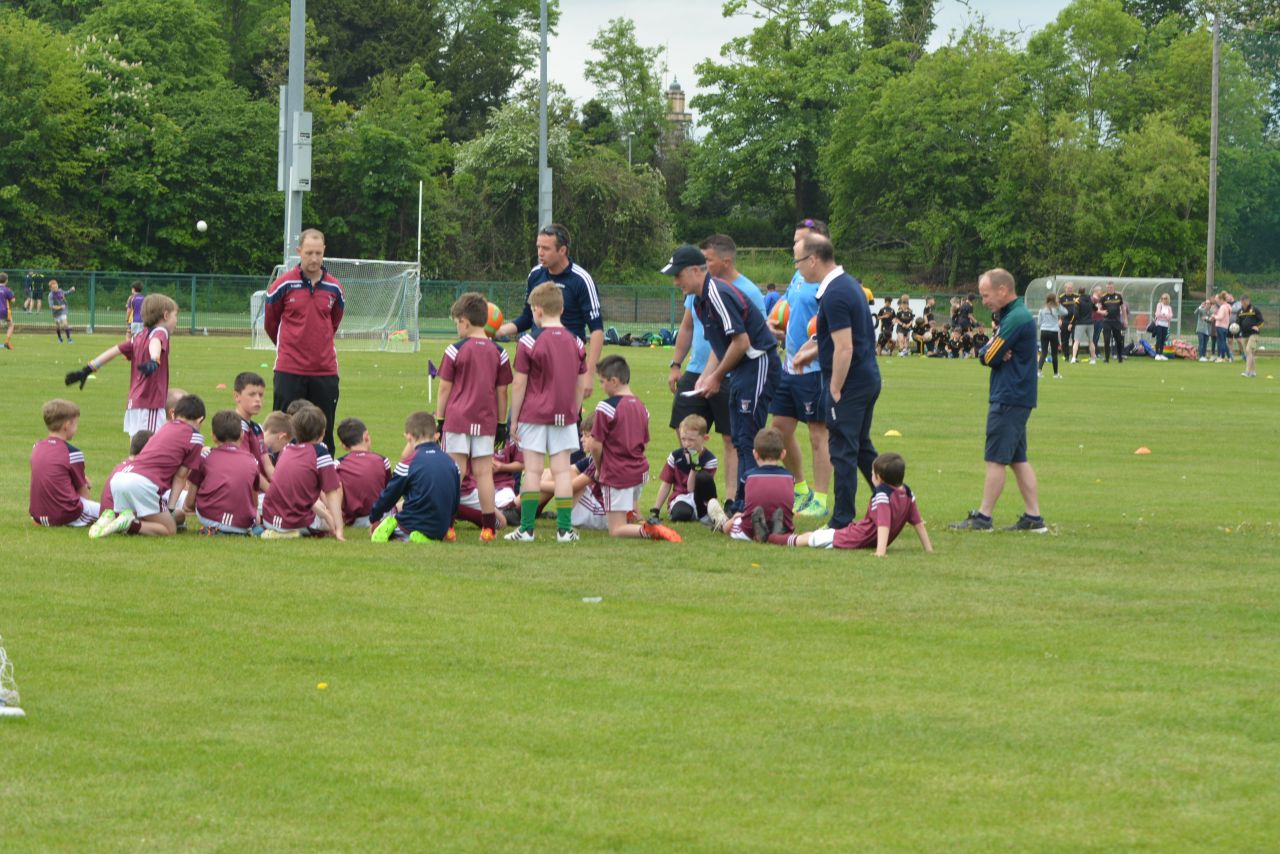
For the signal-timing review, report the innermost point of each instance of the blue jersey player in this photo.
(428, 481)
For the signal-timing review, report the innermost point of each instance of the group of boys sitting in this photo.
(279, 481)
(903, 333)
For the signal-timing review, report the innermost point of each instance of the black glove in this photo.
(148, 367)
(501, 436)
(79, 376)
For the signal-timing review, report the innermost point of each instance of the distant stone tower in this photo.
(678, 119)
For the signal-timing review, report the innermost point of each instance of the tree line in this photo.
(1081, 148)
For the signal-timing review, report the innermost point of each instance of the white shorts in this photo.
(219, 526)
(317, 524)
(360, 522)
(686, 499)
(132, 491)
(618, 500)
(505, 497)
(143, 419)
(547, 439)
(738, 528)
(589, 516)
(471, 446)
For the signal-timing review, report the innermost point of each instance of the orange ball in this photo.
(813, 326)
(494, 321)
(780, 314)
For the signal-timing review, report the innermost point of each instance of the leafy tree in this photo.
(628, 81)
(177, 42)
(59, 14)
(913, 162)
(598, 126)
(247, 27)
(45, 112)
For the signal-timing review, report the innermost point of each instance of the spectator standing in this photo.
(1163, 316)
(1250, 320)
(1221, 323)
(1116, 318)
(1049, 318)
(1204, 326)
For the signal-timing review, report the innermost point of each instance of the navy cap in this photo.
(684, 256)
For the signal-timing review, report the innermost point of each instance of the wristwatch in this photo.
(674, 364)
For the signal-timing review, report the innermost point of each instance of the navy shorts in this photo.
(799, 396)
(714, 410)
(1007, 434)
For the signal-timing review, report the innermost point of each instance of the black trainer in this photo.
(758, 525)
(975, 521)
(778, 522)
(1026, 523)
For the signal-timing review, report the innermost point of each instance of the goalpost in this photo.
(9, 707)
(381, 311)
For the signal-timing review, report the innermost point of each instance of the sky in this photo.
(693, 30)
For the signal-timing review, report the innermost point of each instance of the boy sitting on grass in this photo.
(137, 442)
(363, 473)
(223, 492)
(769, 495)
(59, 487)
(689, 476)
(891, 508)
(164, 464)
(305, 496)
(427, 479)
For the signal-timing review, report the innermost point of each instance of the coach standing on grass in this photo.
(1011, 356)
(746, 351)
(581, 299)
(304, 309)
(846, 351)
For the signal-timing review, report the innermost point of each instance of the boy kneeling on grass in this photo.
(892, 507)
(768, 495)
(428, 481)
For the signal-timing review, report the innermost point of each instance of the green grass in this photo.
(1111, 685)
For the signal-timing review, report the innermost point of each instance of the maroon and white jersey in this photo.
(592, 497)
(147, 392)
(252, 440)
(892, 507)
(553, 358)
(175, 444)
(108, 501)
(303, 472)
(226, 487)
(363, 475)
(682, 463)
(769, 487)
(57, 476)
(476, 367)
(622, 429)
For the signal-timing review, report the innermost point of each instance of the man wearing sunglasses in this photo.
(581, 299)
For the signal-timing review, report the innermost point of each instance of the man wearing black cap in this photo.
(745, 349)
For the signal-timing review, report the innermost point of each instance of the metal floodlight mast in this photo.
(544, 172)
(1213, 160)
(293, 173)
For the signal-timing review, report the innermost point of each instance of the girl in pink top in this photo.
(1221, 320)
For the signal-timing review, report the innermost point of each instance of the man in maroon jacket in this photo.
(304, 309)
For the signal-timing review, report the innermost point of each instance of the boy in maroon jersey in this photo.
(892, 507)
(249, 391)
(770, 495)
(474, 376)
(508, 465)
(223, 492)
(136, 443)
(277, 433)
(148, 353)
(170, 455)
(621, 431)
(59, 487)
(546, 398)
(305, 475)
(362, 473)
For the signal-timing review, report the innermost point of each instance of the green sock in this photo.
(802, 487)
(564, 513)
(528, 509)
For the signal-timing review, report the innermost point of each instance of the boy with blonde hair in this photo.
(59, 488)
(689, 476)
(546, 398)
(474, 376)
(148, 355)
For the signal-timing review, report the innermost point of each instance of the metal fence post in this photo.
(193, 304)
(93, 301)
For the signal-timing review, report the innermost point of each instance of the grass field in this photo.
(1112, 685)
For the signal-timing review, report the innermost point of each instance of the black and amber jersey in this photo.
(905, 315)
(1113, 305)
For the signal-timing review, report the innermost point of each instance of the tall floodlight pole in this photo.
(1213, 160)
(293, 175)
(544, 171)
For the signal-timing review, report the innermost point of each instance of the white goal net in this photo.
(8, 688)
(381, 305)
